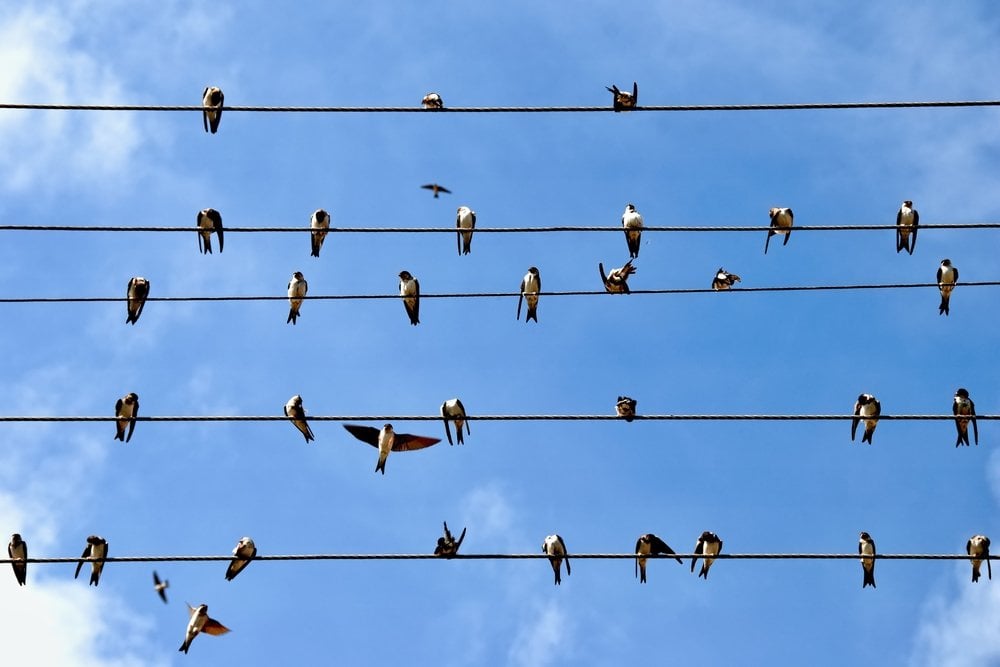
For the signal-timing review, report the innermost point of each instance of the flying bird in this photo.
(452, 410)
(160, 587)
(95, 551)
(387, 440)
(432, 101)
(137, 291)
(632, 222)
(624, 101)
(556, 549)
(198, 623)
(947, 277)
(616, 282)
(295, 412)
(781, 223)
(866, 547)
(978, 547)
(209, 220)
(965, 411)
(436, 189)
(243, 553)
(723, 280)
(868, 408)
(297, 288)
(466, 222)
(409, 289)
(646, 545)
(625, 407)
(320, 224)
(907, 220)
(708, 545)
(17, 550)
(447, 546)
(211, 113)
(531, 285)
(126, 410)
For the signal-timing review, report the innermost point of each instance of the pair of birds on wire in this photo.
(622, 100)
(977, 547)
(907, 222)
(867, 409)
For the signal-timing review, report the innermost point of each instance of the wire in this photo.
(425, 418)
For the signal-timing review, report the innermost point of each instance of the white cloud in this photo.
(961, 632)
(542, 639)
(490, 512)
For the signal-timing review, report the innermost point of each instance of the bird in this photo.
(297, 288)
(907, 220)
(947, 277)
(436, 189)
(632, 222)
(965, 411)
(95, 551)
(465, 221)
(646, 545)
(531, 285)
(198, 623)
(209, 220)
(243, 552)
(295, 412)
(136, 292)
(211, 103)
(781, 223)
(556, 549)
(616, 282)
(160, 587)
(866, 547)
(126, 410)
(452, 410)
(978, 547)
(624, 101)
(432, 101)
(17, 550)
(409, 289)
(723, 280)
(387, 440)
(320, 223)
(868, 408)
(708, 545)
(447, 546)
(625, 407)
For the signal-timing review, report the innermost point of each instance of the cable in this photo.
(426, 418)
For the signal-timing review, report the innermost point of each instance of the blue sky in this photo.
(196, 488)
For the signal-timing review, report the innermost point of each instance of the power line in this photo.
(418, 418)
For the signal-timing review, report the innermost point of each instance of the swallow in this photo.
(556, 549)
(243, 552)
(965, 411)
(978, 547)
(211, 112)
(650, 544)
(295, 412)
(160, 587)
(432, 101)
(137, 291)
(466, 222)
(209, 220)
(452, 410)
(17, 550)
(781, 223)
(866, 547)
(200, 622)
(907, 220)
(436, 189)
(531, 285)
(387, 440)
(624, 101)
(95, 551)
(320, 224)
(723, 280)
(409, 289)
(297, 288)
(708, 545)
(447, 546)
(868, 408)
(947, 277)
(625, 407)
(632, 222)
(616, 282)
(126, 410)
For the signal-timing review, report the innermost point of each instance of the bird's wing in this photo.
(404, 442)
(972, 418)
(85, 554)
(213, 627)
(131, 421)
(367, 434)
(856, 420)
(447, 429)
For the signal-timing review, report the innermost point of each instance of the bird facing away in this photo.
(297, 288)
(867, 408)
(556, 549)
(297, 414)
(616, 282)
(209, 220)
(781, 223)
(724, 280)
(432, 101)
(965, 412)
(978, 548)
(409, 289)
(531, 285)
(160, 587)
(198, 623)
(243, 553)
(625, 407)
(17, 550)
(126, 410)
(452, 410)
(632, 222)
(708, 545)
(466, 222)
(136, 292)
(436, 189)
(447, 546)
(907, 220)
(320, 224)
(211, 103)
(387, 440)
(866, 547)
(622, 100)
(947, 277)
(646, 545)
(95, 551)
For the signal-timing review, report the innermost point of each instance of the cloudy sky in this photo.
(196, 488)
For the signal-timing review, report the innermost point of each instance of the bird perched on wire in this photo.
(297, 289)
(432, 101)
(707, 546)
(531, 285)
(616, 282)
(200, 622)
(136, 293)
(320, 224)
(646, 545)
(622, 100)
(867, 408)
(452, 410)
(466, 222)
(781, 223)
(126, 410)
(447, 546)
(435, 188)
(947, 278)
(243, 553)
(209, 220)
(978, 548)
(632, 222)
(211, 102)
(95, 552)
(907, 220)
(556, 549)
(965, 412)
(724, 280)
(17, 551)
(625, 407)
(409, 289)
(386, 440)
(160, 587)
(866, 547)
(295, 412)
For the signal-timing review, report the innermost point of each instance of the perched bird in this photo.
(632, 222)
(781, 223)
(243, 552)
(452, 410)
(708, 545)
(432, 101)
(624, 101)
(126, 410)
(907, 220)
(531, 285)
(295, 412)
(137, 291)
(297, 288)
(466, 222)
(409, 289)
(160, 587)
(965, 411)
(556, 549)
(387, 440)
(650, 544)
(436, 189)
(320, 224)
(866, 547)
(723, 280)
(625, 407)
(868, 408)
(198, 623)
(17, 550)
(211, 102)
(209, 220)
(616, 282)
(978, 547)
(95, 551)
(947, 277)
(447, 546)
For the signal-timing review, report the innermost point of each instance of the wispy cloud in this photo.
(961, 632)
(542, 639)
